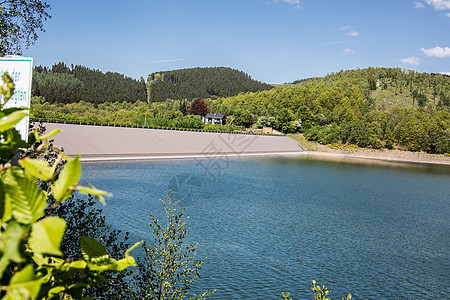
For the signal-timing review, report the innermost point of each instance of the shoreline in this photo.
(316, 150)
(317, 155)
(386, 159)
(117, 158)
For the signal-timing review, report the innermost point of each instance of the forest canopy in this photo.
(63, 84)
(200, 83)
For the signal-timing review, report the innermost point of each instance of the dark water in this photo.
(273, 225)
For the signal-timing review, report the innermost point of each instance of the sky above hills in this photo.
(274, 41)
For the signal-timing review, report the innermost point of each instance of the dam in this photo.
(122, 143)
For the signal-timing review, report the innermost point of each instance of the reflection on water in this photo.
(273, 225)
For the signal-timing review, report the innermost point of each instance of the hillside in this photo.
(372, 108)
(389, 87)
(61, 84)
(200, 83)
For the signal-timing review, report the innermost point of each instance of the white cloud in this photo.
(296, 3)
(448, 15)
(411, 60)
(437, 52)
(445, 73)
(345, 28)
(293, 2)
(167, 60)
(348, 51)
(439, 4)
(348, 30)
(419, 5)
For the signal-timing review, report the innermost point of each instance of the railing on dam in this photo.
(155, 127)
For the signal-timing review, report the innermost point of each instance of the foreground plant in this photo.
(170, 267)
(31, 262)
(320, 293)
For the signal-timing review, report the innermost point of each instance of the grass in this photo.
(307, 145)
(385, 99)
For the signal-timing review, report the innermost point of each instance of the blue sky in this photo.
(274, 41)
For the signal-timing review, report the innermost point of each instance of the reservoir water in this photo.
(272, 225)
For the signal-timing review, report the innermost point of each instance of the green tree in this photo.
(389, 138)
(443, 100)
(415, 95)
(32, 265)
(283, 121)
(422, 99)
(372, 81)
(169, 268)
(20, 21)
(242, 117)
(305, 114)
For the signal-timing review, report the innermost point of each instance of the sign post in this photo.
(20, 69)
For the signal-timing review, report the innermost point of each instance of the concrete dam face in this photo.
(116, 143)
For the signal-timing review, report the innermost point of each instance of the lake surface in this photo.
(272, 225)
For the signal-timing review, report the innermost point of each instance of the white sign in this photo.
(21, 70)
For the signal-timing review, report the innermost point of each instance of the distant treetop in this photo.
(64, 84)
(193, 83)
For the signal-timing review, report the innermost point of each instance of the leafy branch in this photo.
(31, 262)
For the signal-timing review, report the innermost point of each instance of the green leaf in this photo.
(37, 168)
(46, 235)
(10, 110)
(10, 245)
(49, 135)
(125, 263)
(23, 285)
(68, 180)
(98, 194)
(40, 259)
(90, 248)
(53, 293)
(12, 120)
(11, 141)
(133, 247)
(28, 202)
(5, 206)
(79, 265)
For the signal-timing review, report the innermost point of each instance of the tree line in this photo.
(200, 83)
(374, 107)
(63, 84)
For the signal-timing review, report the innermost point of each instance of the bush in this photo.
(32, 265)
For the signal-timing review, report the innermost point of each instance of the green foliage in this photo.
(31, 266)
(169, 267)
(320, 293)
(61, 84)
(200, 83)
(284, 121)
(243, 117)
(347, 107)
(21, 20)
(422, 100)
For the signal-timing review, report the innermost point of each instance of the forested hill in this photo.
(388, 87)
(67, 85)
(373, 107)
(200, 83)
